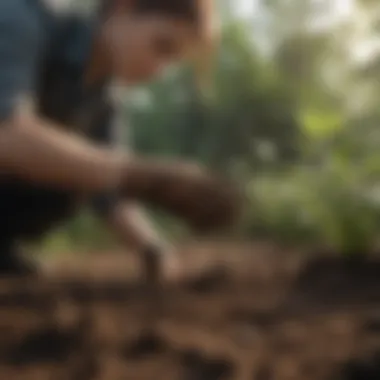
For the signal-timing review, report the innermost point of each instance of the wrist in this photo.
(135, 178)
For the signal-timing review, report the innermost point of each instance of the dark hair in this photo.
(185, 9)
(188, 10)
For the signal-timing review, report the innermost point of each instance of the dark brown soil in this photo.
(241, 313)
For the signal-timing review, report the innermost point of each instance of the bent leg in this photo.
(28, 212)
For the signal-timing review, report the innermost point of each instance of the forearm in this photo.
(40, 151)
(130, 223)
(134, 228)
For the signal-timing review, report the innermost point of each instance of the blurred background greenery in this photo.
(292, 113)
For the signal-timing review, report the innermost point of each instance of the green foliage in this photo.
(84, 233)
(319, 124)
(329, 205)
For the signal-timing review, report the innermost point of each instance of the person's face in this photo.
(140, 48)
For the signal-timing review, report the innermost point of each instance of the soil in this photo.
(240, 312)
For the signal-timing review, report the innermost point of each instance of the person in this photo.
(60, 130)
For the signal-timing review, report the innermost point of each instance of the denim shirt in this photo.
(43, 57)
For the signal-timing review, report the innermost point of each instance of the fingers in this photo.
(190, 192)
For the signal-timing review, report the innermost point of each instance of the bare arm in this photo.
(32, 148)
(131, 224)
(37, 150)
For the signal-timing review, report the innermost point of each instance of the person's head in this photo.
(143, 37)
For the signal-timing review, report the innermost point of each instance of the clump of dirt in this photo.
(240, 313)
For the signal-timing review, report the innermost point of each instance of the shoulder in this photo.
(19, 22)
(18, 13)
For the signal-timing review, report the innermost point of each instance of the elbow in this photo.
(11, 130)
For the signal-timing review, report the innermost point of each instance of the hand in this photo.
(188, 191)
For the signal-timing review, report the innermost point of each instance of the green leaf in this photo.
(320, 124)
